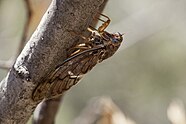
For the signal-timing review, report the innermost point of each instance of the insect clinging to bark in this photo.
(99, 46)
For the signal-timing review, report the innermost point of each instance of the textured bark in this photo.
(42, 114)
(44, 51)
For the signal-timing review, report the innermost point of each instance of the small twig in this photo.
(7, 64)
(26, 26)
(47, 109)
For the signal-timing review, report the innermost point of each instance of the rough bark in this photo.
(50, 107)
(44, 51)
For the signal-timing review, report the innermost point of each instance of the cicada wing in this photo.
(67, 74)
(40, 91)
(77, 67)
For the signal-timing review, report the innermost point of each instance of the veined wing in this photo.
(68, 73)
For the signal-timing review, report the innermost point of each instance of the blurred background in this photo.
(144, 78)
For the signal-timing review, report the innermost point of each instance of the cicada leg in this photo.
(105, 24)
(101, 28)
(87, 44)
(82, 46)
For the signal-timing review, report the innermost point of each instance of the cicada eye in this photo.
(117, 38)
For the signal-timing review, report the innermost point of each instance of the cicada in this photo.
(99, 46)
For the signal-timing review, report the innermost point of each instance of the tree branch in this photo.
(44, 51)
(48, 107)
(46, 111)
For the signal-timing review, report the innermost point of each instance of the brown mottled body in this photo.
(83, 57)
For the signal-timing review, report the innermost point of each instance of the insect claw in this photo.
(101, 19)
(104, 16)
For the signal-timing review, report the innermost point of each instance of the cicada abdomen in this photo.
(83, 57)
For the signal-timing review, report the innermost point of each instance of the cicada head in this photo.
(116, 38)
(111, 43)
